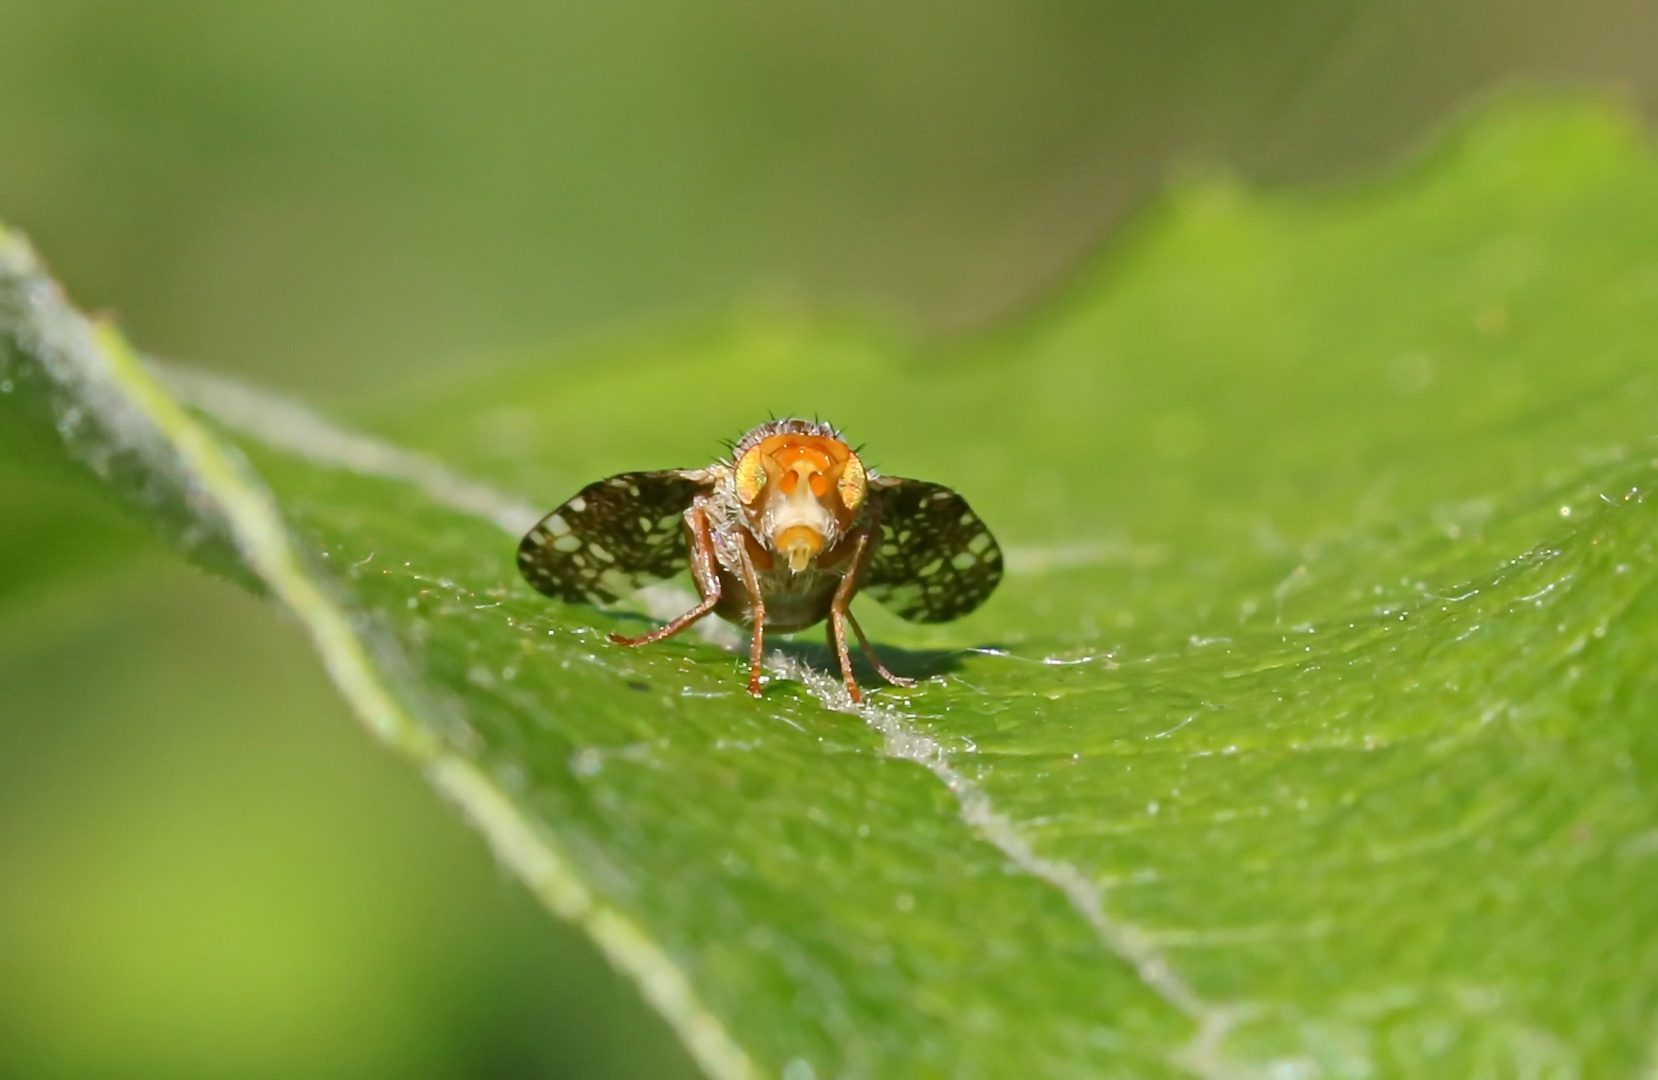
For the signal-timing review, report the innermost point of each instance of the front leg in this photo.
(703, 569)
(840, 612)
(757, 614)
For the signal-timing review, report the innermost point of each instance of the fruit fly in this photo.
(779, 536)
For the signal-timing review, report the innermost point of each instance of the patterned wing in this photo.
(937, 561)
(613, 537)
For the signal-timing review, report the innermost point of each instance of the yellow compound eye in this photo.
(751, 476)
(853, 484)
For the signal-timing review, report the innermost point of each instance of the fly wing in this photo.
(936, 561)
(613, 537)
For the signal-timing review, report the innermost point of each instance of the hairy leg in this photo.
(839, 612)
(703, 569)
(757, 613)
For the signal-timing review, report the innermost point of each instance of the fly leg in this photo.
(840, 613)
(702, 569)
(757, 614)
(875, 661)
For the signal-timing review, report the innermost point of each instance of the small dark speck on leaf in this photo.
(636, 684)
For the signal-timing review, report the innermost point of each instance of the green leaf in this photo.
(1313, 733)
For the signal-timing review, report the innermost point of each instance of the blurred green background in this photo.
(205, 867)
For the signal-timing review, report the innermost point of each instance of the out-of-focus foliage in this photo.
(207, 870)
(332, 196)
(1310, 734)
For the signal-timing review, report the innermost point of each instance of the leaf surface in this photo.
(1311, 732)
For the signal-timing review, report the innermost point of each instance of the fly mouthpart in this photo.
(798, 544)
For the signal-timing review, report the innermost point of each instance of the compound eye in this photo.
(751, 476)
(853, 484)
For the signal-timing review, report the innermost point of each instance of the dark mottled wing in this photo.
(936, 561)
(613, 537)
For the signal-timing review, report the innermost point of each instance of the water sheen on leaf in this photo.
(1311, 734)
